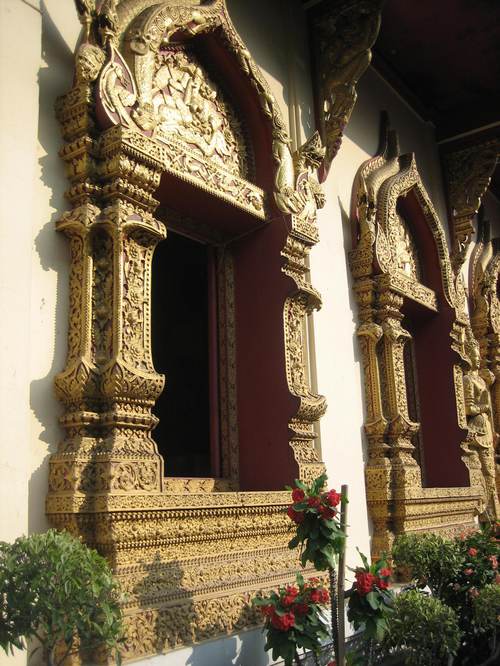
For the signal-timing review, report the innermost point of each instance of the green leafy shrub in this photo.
(56, 589)
(486, 609)
(422, 629)
(431, 559)
(457, 571)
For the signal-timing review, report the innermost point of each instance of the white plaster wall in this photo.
(279, 46)
(415, 135)
(18, 120)
(244, 649)
(36, 41)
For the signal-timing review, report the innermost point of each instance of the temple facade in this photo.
(244, 243)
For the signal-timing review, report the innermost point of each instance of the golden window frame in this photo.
(187, 555)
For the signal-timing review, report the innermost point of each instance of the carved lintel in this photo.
(468, 173)
(343, 33)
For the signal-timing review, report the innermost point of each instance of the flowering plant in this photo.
(480, 552)
(456, 572)
(295, 618)
(370, 601)
(316, 516)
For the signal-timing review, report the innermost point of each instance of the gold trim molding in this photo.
(188, 552)
(385, 267)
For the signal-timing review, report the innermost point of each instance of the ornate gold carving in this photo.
(89, 61)
(188, 105)
(344, 33)
(184, 549)
(298, 192)
(479, 423)
(386, 266)
(485, 320)
(468, 173)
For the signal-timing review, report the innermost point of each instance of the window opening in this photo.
(184, 345)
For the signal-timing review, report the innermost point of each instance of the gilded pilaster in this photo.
(400, 427)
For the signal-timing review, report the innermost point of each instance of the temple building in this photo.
(244, 242)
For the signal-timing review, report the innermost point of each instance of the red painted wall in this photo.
(441, 434)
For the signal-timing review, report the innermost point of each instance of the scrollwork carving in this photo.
(344, 33)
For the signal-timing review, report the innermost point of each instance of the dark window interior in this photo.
(180, 343)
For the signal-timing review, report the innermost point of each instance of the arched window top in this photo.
(397, 232)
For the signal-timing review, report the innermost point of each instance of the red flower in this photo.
(382, 584)
(326, 512)
(291, 593)
(472, 552)
(494, 561)
(315, 596)
(298, 495)
(385, 572)
(325, 596)
(313, 502)
(283, 622)
(267, 610)
(301, 609)
(333, 498)
(468, 571)
(364, 582)
(332, 663)
(296, 516)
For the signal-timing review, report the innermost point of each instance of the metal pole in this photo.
(341, 580)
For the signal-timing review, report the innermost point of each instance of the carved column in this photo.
(485, 321)
(109, 384)
(378, 468)
(311, 406)
(405, 472)
(494, 356)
